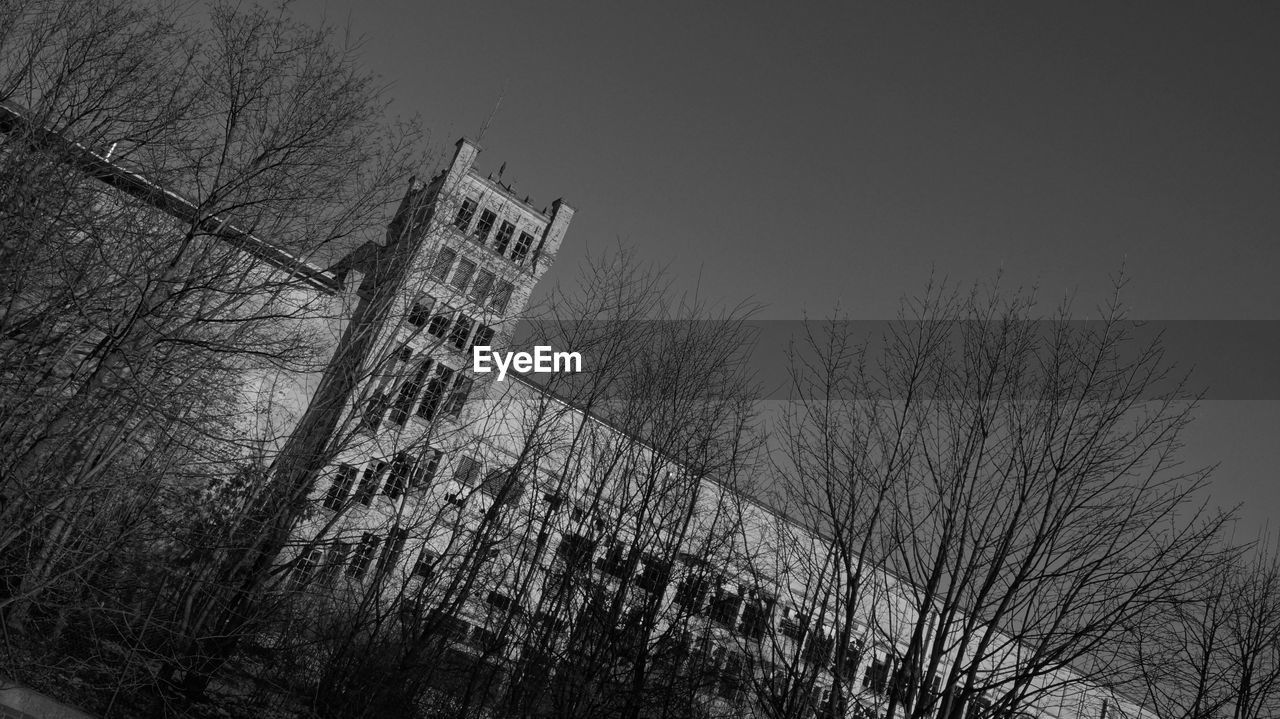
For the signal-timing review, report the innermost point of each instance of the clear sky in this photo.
(803, 155)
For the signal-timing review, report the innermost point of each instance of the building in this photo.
(504, 537)
(504, 545)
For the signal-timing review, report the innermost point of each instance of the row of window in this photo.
(480, 284)
(749, 617)
(730, 670)
(502, 244)
(724, 671)
(500, 484)
(465, 474)
(324, 563)
(620, 562)
(456, 329)
(395, 478)
(577, 513)
(433, 389)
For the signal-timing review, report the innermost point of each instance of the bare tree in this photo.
(1215, 656)
(999, 504)
(503, 602)
(144, 158)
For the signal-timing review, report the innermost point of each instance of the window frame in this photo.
(340, 487)
(462, 273)
(400, 476)
(466, 212)
(442, 263)
(483, 286)
(522, 247)
(502, 239)
(370, 482)
(362, 557)
(484, 225)
(459, 338)
(501, 298)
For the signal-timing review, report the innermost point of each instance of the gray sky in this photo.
(806, 155)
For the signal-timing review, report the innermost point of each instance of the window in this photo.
(654, 577)
(521, 250)
(409, 394)
(440, 323)
(461, 331)
(903, 687)
(483, 337)
(303, 567)
(484, 226)
(733, 675)
(420, 312)
(435, 392)
(496, 481)
(465, 213)
(427, 466)
(467, 472)
(458, 397)
(617, 561)
(547, 619)
(501, 601)
(575, 549)
(793, 624)
(444, 260)
(426, 566)
(818, 651)
(877, 679)
(501, 297)
(483, 287)
(391, 550)
(503, 237)
(374, 410)
(363, 555)
(401, 471)
(691, 594)
(462, 273)
(340, 487)
(851, 659)
(755, 619)
(335, 560)
(982, 707)
(370, 481)
(487, 640)
(724, 608)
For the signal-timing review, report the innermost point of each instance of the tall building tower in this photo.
(457, 267)
(465, 282)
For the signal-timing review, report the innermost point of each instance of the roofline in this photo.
(135, 185)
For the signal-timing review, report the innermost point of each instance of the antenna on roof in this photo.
(484, 126)
(501, 170)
